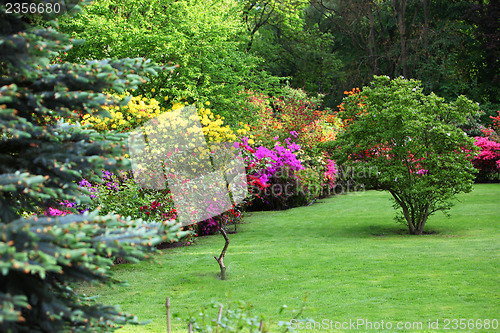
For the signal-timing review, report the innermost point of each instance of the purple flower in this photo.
(294, 147)
(68, 204)
(280, 149)
(84, 183)
(112, 186)
(264, 178)
(106, 174)
(264, 152)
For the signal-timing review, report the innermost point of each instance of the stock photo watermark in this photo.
(363, 325)
(345, 185)
(204, 180)
(207, 179)
(46, 9)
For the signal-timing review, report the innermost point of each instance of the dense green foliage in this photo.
(322, 46)
(42, 160)
(204, 38)
(400, 140)
(451, 46)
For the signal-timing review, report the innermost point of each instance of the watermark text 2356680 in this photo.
(32, 8)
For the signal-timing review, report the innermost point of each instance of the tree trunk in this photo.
(426, 24)
(400, 7)
(372, 45)
(220, 260)
(409, 219)
(415, 215)
(422, 220)
(406, 212)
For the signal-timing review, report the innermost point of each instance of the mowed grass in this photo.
(345, 253)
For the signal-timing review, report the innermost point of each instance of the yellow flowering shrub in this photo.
(214, 128)
(140, 109)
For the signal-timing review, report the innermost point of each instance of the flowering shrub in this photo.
(496, 122)
(117, 194)
(141, 109)
(488, 160)
(264, 125)
(330, 173)
(272, 174)
(421, 159)
(359, 104)
(55, 212)
(125, 118)
(186, 161)
(494, 132)
(295, 112)
(253, 106)
(214, 128)
(277, 120)
(318, 178)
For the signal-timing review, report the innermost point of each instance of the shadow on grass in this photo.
(365, 230)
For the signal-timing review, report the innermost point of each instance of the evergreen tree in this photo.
(42, 158)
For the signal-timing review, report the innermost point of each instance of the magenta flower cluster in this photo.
(488, 159)
(422, 172)
(330, 173)
(490, 150)
(107, 180)
(280, 158)
(61, 212)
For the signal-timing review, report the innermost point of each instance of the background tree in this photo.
(41, 161)
(480, 60)
(415, 38)
(295, 46)
(207, 39)
(448, 45)
(407, 143)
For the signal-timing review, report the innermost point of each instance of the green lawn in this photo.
(345, 253)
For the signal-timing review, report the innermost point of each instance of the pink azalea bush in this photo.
(488, 160)
(272, 173)
(278, 179)
(330, 173)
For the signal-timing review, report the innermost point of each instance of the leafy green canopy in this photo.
(205, 39)
(408, 143)
(41, 161)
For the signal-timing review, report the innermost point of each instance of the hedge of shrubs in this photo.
(281, 146)
(284, 164)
